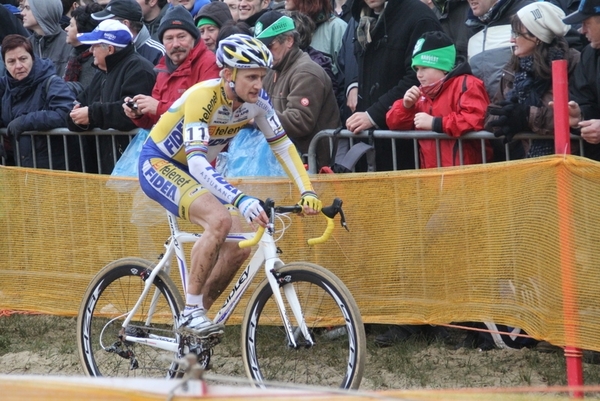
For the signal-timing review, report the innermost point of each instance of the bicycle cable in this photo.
(286, 221)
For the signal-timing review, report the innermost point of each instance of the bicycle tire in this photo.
(327, 305)
(112, 293)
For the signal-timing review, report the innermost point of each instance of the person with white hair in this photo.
(42, 17)
(521, 105)
(122, 73)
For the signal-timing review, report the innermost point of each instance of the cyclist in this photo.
(175, 169)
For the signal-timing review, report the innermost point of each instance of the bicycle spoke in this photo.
(336, 359)
(110, 296)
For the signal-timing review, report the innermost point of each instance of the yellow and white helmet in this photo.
(243, 51)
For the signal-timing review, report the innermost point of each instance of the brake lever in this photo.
(343, 219)
(269, 208)
(334, 209)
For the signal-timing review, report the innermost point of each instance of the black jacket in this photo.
(585, 90)
(384, 71)
(127, 74)
(453, 20)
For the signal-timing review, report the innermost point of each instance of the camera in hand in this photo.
(132, 105)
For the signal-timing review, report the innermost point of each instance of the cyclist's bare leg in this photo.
(208, 212)
(230, 259)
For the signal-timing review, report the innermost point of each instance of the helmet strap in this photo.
(232, 85)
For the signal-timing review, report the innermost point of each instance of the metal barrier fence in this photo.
(481, 136)
(74, 148)
(96, 134)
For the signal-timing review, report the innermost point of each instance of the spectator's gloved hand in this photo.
(16, 127)
(250, 207)
(309, 199)
(512, 118)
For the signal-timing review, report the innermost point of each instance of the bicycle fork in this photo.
(277, 281)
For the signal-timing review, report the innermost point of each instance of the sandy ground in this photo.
(434, 366)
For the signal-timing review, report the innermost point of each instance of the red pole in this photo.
(562, 144)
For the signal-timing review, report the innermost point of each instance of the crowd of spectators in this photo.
(356, 64)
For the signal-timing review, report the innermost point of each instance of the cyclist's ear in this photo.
(227, 74)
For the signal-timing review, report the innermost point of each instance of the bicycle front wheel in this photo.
(337, 356)
(110, 296)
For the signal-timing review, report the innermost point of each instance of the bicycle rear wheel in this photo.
(112, 293)
(337, 357)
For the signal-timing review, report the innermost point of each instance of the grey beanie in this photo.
(47, 13)
(216, 11)
(177, 18)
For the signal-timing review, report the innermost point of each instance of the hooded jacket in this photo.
(216, 11)
(459, 108)
(302, 95)
(42, 102)
(52, 44)
(199, 65)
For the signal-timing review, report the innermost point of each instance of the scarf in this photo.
(432, 90)
(366, 26)
(528, 88)
(75, 65)
(365, 29)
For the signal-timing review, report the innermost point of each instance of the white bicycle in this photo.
(301, 324)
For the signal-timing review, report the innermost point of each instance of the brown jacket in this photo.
(541, 119)
(302, 95)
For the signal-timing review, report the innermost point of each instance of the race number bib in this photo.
(196, 132)
(274, 123)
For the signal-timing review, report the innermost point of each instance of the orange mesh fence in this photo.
(475, 243)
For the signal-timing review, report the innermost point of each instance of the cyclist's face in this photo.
(248, 83)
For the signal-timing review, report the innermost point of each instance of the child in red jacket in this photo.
(450, 100)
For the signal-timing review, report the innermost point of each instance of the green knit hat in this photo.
(435, 50)
(206, 21)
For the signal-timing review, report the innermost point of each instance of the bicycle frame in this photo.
(265, 254)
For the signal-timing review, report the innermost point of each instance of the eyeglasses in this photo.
(26, 8)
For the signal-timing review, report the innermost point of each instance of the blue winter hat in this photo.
(110, 32)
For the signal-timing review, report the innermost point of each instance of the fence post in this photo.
(562, 145)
